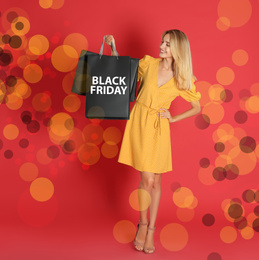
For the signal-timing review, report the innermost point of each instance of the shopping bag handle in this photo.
(101, 50)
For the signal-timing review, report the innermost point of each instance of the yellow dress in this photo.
(146, 144)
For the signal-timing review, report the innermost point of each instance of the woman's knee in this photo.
(147, 180)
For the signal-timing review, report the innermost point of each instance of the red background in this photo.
(89, 215)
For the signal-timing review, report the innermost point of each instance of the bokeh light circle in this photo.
(209, 110)
(38, 44)
(71, 103)
(11, 131)
(124, 231)
(247, 144)
(109, 150)
(14, 101)
(112, 135)
(61, 124)
(208, 220)
(20, 26)
(174, 237)
(139, 199)
(240, 57)
(214, 256)
(228, 234)
(57, 4)
(247, 233)
(202, 121)
(223, 23)
(204, 162)
(41, 189)
(89, 153)
(183, 197)
(32, 73)
(45, 4)
(64, 58)
(240, 117)
(93, 134)
(252, 104)
(225, 76)
(41, 102)
(238, 12)
(28, 171)
(77, 41)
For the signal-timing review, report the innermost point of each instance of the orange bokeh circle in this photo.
(240, 57)
(225, 76)
(183, 197)
(252, 104)
(89, 153)
(143, 203)
(26, 26)
(42, 189)
(71, 103)
(215, 93)
(61, 124)
(247, 233)
(223, 23)
(11, 131)
(214, 111)
(124, 231)
(14, 101)
(228, 234)
(28, 171)
(32, 73)
(174, 237)
(38, 44)
(205, 175)
(112, 135)
(77, 41)
(64, 58)
(57, 4)
(238, 12)
(109, 150)
(45, 4)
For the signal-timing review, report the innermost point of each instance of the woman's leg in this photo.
(146, 183)
(153, 209)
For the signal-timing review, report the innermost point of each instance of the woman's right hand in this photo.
(109, 39)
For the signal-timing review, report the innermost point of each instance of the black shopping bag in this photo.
(108, 82)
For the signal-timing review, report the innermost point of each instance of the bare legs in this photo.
(150, 182)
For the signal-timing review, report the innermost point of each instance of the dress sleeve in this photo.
(143, 64)
(190, 95)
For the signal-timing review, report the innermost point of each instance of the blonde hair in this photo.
(182, 65)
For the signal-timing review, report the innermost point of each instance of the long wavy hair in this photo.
(182, 65)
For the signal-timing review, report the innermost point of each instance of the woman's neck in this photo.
(167, 63)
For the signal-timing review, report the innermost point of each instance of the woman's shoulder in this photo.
(147, 60)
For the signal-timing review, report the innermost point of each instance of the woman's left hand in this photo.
(164, 113)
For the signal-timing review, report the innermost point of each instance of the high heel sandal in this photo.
(149, 250)
(138, 245)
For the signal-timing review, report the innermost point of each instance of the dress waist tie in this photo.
(152, 111)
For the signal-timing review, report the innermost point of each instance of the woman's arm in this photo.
(196, 108)
(109, 39)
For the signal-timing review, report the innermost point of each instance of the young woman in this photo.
(146, 144)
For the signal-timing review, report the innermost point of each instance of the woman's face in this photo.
(165, 51)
